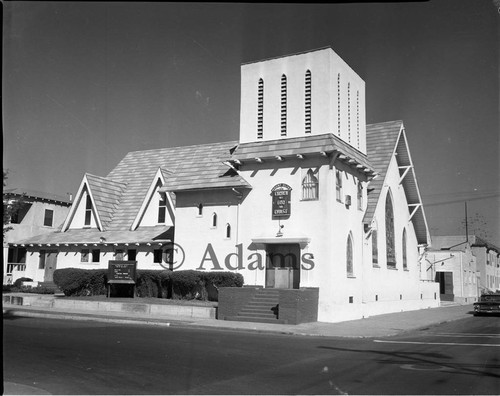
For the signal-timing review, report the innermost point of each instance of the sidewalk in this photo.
(375, 326)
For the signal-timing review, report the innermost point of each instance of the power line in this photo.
(462, 200)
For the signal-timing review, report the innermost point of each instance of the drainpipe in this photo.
(462, 275)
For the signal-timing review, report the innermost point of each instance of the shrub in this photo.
(223, 279)
(81, 282)
(188, 284)
(214, 280)
(19, 282)
(152, 283)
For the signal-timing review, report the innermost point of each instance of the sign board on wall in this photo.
(281, 200)
(120, 271)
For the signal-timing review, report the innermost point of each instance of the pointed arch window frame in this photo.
(350, 256)
(310, 186)
(390, 237)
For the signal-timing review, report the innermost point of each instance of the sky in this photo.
(86, 83)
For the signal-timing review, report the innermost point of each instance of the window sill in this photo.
(376, 266)
(309, 199)
(351, 277)
(392, 268)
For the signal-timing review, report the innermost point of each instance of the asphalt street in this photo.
(73, 357)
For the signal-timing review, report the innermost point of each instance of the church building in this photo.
(310, 198)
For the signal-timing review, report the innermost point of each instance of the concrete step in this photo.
(263, 305)
(255, 319)
(257, 314)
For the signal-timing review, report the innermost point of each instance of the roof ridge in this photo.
(385, 122)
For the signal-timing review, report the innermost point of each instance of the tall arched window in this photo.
(374, 248)
(338, 185)
(310, 186)
(214, 220)
(283, 105)
(360, 195)
(88, 211)
(228, 230)
(357, 118)
(349, 257)
(338, 104)
(308, 102)
(405, 259)
(349, 112)
(389, 232)
(260, 109)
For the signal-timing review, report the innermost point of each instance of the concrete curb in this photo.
(335, 330)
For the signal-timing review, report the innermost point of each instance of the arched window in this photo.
(349, 257)
(357, 119)
(405, 259)
(88, 211)
(310, 186)
(338, 104)
(200, 209)
(162, 209)
(338, 185)
(389, 232)
(283, 105)
(349, 112)
(228, 230)
(374, 248)
(308, 102)
(214, 220)
(360, 195)
(260, 110)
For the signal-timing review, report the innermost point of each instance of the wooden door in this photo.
(50, 265)
(283, 266)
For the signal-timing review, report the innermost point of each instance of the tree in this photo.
(10, 208)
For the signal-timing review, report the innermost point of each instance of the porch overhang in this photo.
(301, 241)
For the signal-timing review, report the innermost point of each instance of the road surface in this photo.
(77, 357)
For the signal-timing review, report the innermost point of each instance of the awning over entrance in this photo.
(302, 241)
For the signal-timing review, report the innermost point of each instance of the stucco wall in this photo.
(325, 66)
(70, 257)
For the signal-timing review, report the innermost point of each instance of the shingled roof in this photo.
(304, 145)
(383, 141)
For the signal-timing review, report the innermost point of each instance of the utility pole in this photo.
(466, 224)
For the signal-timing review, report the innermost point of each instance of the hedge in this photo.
(81, 282)
(185, 285)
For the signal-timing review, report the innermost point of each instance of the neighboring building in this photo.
(309, 198)
(486, 254)
(455, 268)
(40, 213)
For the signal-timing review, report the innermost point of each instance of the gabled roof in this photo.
(303, 146)
(106, 195)
(185, 168)
(36, 195)
(384, 141)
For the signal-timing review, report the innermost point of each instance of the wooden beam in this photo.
(300, 156)
(415, 208)
(259, 160)
(237, 161)
(407, 169)
(323, 154)
(279, 158)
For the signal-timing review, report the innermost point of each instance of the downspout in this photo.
(462, 275)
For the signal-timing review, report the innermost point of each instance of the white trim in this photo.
(147, 199)
(76, 204)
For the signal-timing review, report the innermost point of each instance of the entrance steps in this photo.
(263, 307)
